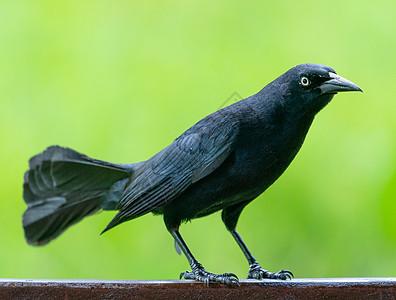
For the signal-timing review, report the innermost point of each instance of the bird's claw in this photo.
(200, 274)
(257, 272)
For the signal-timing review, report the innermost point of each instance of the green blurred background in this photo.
(119, 81)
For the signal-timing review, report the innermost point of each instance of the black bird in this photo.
(223, 162)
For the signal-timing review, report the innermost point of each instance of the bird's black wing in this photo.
(191, 157)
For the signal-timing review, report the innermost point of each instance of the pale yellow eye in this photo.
(304, 81)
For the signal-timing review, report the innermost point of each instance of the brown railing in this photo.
(333, 288)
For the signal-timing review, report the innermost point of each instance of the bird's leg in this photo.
(255, 270)
(197, 270)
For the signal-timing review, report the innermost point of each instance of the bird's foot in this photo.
(200, 274)
(257, 272)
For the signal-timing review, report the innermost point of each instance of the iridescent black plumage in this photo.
(221, 163)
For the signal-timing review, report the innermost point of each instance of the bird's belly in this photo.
(242, 177)
(232, 183)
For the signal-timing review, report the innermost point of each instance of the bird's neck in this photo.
(275, 113)
(273, 123)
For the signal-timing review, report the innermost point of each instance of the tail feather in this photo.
(63, 186)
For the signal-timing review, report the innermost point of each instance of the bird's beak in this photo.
(338, 84)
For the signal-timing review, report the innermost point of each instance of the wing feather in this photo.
(191, 157)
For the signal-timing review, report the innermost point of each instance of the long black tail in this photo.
(63, 186)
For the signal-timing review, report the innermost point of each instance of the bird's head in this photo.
(309, 87)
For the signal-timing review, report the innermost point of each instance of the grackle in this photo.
(222, 162)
